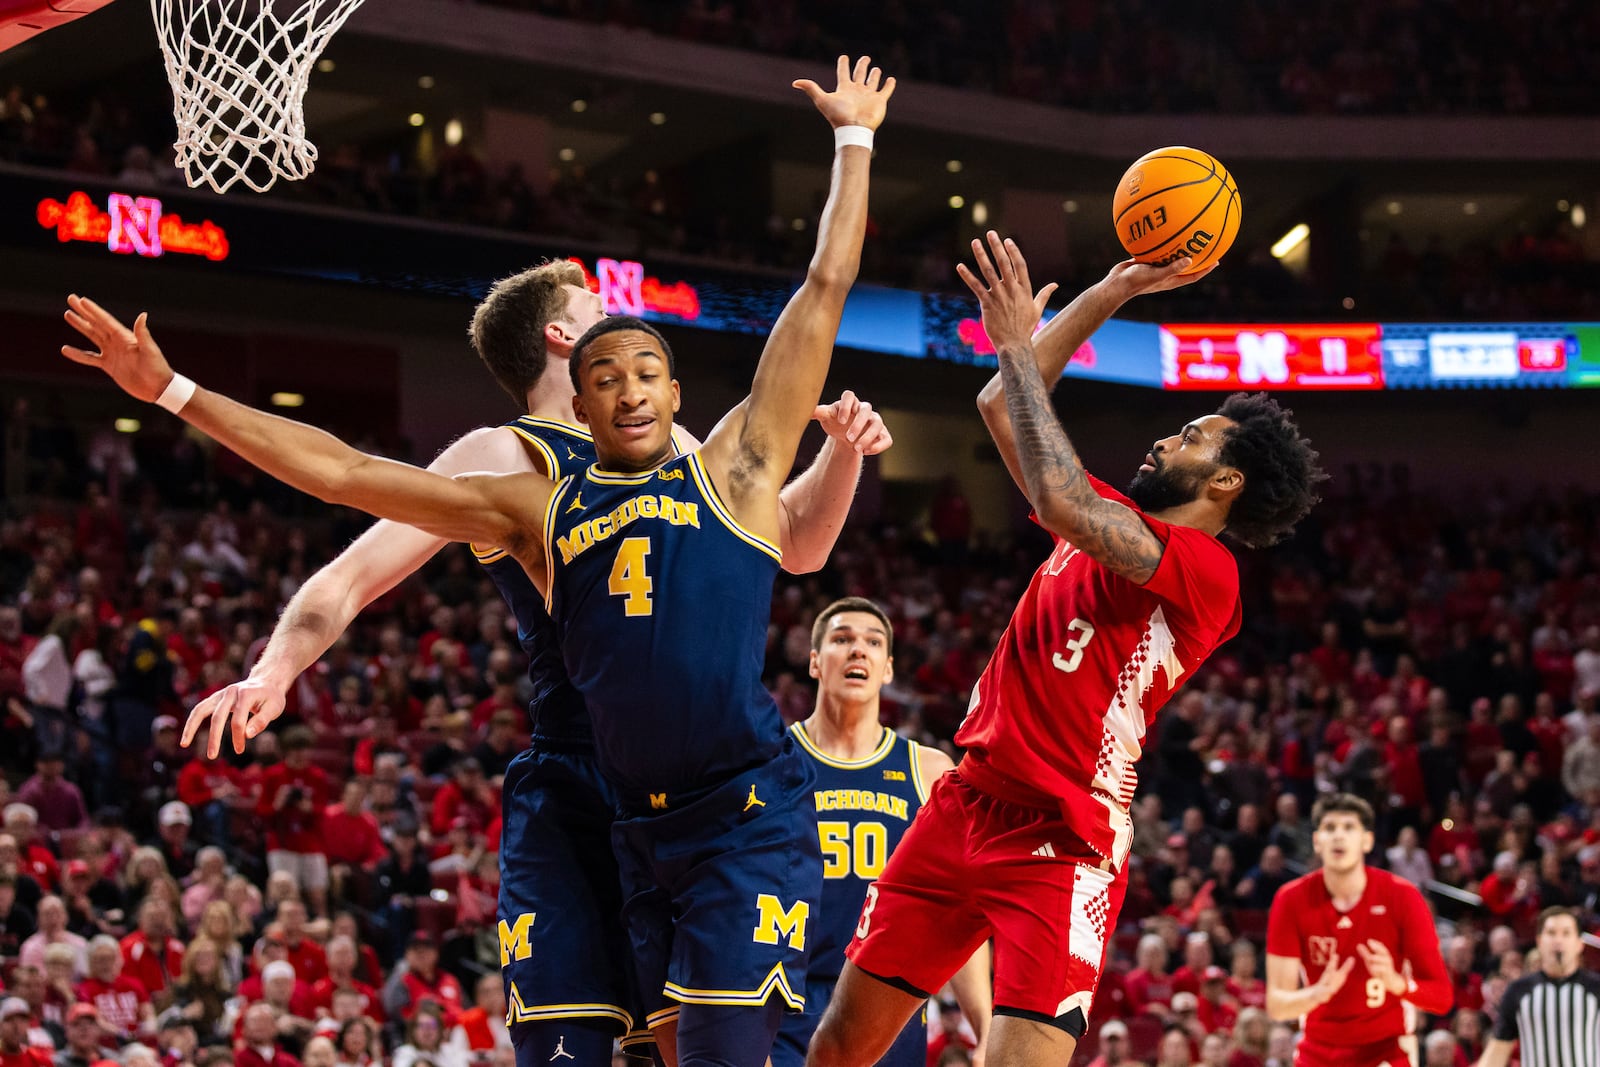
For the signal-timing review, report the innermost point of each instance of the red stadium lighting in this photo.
(132, 225)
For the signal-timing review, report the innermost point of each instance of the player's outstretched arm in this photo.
(1062, 336)
(331, 598)
(1053, 478)
(750, 458)
(475, 508)
(813, 507)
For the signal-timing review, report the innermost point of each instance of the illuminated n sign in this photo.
(627, 290)
(131, 225)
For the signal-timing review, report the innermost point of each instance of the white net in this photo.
(239, 71)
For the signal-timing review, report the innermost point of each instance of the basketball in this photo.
(1176, 202)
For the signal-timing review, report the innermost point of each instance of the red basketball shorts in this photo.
(972, 867)
(1390, 1052)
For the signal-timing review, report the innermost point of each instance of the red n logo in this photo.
(135, 225)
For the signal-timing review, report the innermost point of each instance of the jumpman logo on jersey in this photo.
(571, 454)
(752, 801)
(561, 1050)
(577, 502)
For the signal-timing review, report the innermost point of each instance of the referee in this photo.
(1555, 1011)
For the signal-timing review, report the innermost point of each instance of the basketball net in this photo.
(239, 71)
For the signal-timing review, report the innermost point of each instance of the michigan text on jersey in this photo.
(592, 531)
(863, 800)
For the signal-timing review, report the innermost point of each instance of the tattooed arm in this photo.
(1056, 483)
(1053, 478)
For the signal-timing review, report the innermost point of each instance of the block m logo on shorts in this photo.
(516, 939)
(776, 922)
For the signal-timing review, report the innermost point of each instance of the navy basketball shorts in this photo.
(563, 948)
(910, 1049)
(718, 892)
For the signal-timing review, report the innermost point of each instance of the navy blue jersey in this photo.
(662, 603)
(863, 809)
(556, 709)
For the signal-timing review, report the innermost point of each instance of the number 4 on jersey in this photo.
(630, 580)
(1082, 633)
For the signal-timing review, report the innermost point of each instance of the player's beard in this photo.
(1164, 488)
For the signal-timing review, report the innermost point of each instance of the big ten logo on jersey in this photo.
(774, 922)
(516, 939)
(1321, 950)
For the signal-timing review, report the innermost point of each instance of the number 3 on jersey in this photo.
(630, 580)
(1082, 633)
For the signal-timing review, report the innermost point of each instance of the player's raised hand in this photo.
(1133, 278)
(130, 357)
(1333, 977)
(861, 99)
(1011, 309)
(852, 422)
(1380, 964)
(248, 706)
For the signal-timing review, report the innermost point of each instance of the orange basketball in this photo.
(1176, 202)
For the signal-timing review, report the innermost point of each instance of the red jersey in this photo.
(1087, 660)
(154, 966)
(294, 828)
(1304, 924)
(118, 1003)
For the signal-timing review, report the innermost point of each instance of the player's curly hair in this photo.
(612, 324)
(1280, 469)
(507, 328)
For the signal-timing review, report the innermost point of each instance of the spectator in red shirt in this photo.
(15, 1019)
(1244, 984)
(210, 787)
(351, 832)
(151, 954)
(1217, 1010)
(122, 1002)
(468, 794)
(1468, 984)
(310, 962)
(1197, 959)
(258, 1045)
(368, 969)
(1332, 661)
(1405, 772)
(1149, 986)
(419, 979)
(385, 737)
(293, 796)
(192, 645)
(34, 859)
(341, 975)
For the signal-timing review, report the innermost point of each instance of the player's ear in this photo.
(577, 409)
(1228, 480)
(815, 669)
(677, 397)
(557, 336)
(888, 670)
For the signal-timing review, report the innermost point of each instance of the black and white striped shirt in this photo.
(1556, 1019)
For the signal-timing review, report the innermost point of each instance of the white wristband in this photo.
(856, 135)
(176, 394)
